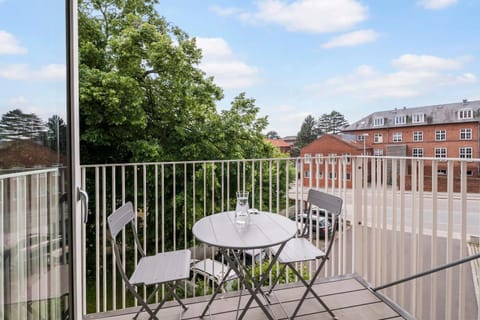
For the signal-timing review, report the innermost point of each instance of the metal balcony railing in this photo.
(401, 216)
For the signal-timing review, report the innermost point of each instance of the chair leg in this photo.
(309, 288)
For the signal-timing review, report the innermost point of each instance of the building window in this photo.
(442, 172)
(466, 152)
(469, 173)
(400, 119)
(397, 137)
(418, 118)
(332, 175)
(377, 138)
(417, 152)
(347, 176)
(466, 134)
(347, 158)
(378, 122)
(440, 135)
(319, 175)
(307, 158)
(417, 136)
(318, 158)
(465, 113)
(440, 152)
(332, 158)
(361, 137)
(307, 173)
(378, 152)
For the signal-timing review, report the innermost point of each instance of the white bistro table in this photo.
(264, 230)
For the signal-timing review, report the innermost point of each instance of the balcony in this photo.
(401, 216)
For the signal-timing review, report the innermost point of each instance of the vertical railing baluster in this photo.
(97, 240)
(413, 234)
(104, 236)
(402, 231)
(124, 258)
(449, 249)
(463, 241)
(421, 234)
(433, 256)
(114, 267)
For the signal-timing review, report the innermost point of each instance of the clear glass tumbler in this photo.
(241, 211)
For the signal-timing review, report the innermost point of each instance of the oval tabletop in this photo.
(264, 230)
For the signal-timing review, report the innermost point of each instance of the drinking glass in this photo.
(241, 211)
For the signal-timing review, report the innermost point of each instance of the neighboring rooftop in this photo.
(278, 143)
(427, 115)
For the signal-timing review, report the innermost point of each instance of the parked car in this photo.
(319, 223)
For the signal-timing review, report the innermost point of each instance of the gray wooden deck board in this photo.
(347, 296)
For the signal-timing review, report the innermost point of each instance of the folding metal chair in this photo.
(300, 249)
(214, 271)
(163, 268)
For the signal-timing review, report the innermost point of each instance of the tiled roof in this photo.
(278, 142)
(435, 114)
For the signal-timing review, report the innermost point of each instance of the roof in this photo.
(434, 114)
(279, 143)
(340, 138)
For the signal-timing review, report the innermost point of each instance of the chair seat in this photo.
(162, 267)
(298, 250)
(213, 269)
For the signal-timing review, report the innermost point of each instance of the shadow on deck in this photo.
(348, 296)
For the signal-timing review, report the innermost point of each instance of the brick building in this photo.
(281, 144)
(438, 131)
(323, 157)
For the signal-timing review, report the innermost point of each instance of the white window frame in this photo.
(319, 158)
(378, 152)
(441, 152)
(400, 119)
(319, 174)
(307, 174)
(465, 152)
(307, 158)
(332, 158)
(440, 135)
(417, 136)
(442, 172)
(334, 175)
(466, 134)
(397, 137)
(378, 121)
(418, 118)
(466, 113)
(361, 137)
(378, 138)
(417, 152)
(347, 158)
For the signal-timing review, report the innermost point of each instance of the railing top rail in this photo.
(27, 173)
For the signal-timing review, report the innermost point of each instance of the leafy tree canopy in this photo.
(332, 122)
(143, 97)
(272, 135)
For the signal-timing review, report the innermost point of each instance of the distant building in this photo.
(437, 131)
(290, 140)
(281, 144)
(322, 158)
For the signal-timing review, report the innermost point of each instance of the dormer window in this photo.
(466, 113)
(400, 119)
(378, 121)
(418, 118)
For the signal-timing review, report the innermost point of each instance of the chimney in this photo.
(465, 101)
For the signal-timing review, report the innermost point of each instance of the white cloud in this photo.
(426, 62)
(23, 72)
(18, 102)
(437, 4)
(415, 75)
(220, 62)
(9, 44)
(315, 16)
(224, 11)
(352, 39)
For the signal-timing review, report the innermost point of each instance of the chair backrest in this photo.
(330, 203)
(119, 218)
(322, 200)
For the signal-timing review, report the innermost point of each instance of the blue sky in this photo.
(294, 57)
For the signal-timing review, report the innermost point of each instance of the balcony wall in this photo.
(394, 224)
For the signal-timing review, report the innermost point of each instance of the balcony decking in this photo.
(348, 296)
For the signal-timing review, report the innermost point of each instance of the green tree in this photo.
(272, 135)
(333, 122)
(308, 133)
(16, 125)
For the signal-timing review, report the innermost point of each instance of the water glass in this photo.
(241, 211)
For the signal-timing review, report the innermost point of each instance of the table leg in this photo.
(235, 266)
